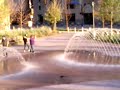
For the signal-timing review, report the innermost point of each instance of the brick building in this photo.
(80, 11)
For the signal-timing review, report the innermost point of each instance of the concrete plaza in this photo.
(59, 43)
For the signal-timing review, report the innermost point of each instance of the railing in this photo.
(82, 29)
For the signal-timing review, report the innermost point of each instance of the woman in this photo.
(32, 42)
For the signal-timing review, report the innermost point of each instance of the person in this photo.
(4, 41)
(25, 42)
(32, 41)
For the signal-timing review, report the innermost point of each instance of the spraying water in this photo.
(12, 61)
(7, 52)
(90, 47)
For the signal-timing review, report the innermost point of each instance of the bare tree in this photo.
(20, 12)
(67, 13)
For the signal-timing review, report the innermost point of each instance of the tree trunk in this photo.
(66, 22)
(21, 20)
(21, 13)
(54, 24)
(103, 23)
(111, 23)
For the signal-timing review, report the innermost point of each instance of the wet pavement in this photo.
(52, 72)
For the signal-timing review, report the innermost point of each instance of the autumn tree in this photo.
(53, 13)
(113, 11)
(110, 10)
(4, 15)
(101, 12)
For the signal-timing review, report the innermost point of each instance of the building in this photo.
(79, 11)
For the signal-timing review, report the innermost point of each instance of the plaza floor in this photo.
(59, 43)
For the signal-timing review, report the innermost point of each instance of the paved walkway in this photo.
(59, 42)
(101, 85)
(56, 42)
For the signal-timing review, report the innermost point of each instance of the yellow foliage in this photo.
(4, 15)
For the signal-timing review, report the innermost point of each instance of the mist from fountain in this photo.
(7, 52)
(12, 61)
(84, 47)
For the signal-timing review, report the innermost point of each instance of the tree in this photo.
(67, 13)
(4, 15)
(110, 10)
(53, 13)
(113, 11)
(19, 12)
(101, 12)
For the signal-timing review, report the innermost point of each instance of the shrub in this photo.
(18, 34)
(114, 38)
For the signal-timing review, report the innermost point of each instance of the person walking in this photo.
(4, 41)
(32, 42)
(25, 42)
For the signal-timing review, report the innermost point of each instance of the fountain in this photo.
(84, 48)
(11, 60)
(86, 58)
(13, 68)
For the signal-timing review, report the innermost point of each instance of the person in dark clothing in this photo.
(4, 41)
(32, 41)
(25, 42)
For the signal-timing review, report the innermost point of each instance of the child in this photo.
(32, 41)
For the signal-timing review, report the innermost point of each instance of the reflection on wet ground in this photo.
(51, 69)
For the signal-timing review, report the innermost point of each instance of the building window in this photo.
(40, 18)
(72, 17)
(71, 6)
(39, 7)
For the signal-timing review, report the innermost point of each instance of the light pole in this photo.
(30, 23)
(93, 10)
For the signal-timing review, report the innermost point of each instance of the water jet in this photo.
(85, 59)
